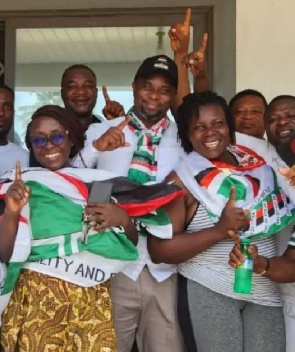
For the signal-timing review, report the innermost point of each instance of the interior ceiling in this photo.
(90, 45)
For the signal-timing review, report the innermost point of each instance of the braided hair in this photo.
(67, 119)
(190, 107)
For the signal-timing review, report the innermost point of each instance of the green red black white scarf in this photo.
(49, 238)
(144, 162)
(256, 186)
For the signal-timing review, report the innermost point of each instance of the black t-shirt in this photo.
(33, 161)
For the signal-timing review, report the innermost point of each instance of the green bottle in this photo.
(244, 272)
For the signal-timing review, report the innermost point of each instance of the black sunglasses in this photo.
(56, 138)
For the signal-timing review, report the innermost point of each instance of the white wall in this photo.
(49, 75)
(265, 57)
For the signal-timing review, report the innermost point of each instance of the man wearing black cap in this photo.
(142, 146)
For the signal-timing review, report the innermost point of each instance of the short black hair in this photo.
(67, 119)
(6, 87)
(277, 98)
(76, 67)
(247, 92)
(281, 97)
(190, 107)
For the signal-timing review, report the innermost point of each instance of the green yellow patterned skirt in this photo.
(52, 315)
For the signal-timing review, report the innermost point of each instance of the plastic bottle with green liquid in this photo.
(244, 272)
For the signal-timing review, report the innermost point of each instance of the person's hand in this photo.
(179, 34)
(237, 258)
(18, 194)
(232, 219)
(106, 215)
(113, 138)
(112, 109)
(196, 61)
(289, 174)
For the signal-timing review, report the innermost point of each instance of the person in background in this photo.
(224, 182)
(9, 152)
(248, 109)
(79, 95)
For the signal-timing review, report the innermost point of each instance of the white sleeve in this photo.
(88, 155)
(86, 158)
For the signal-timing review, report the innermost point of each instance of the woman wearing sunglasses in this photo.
(58, 277)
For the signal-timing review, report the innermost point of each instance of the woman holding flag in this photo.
(67, 246)
(229, 189)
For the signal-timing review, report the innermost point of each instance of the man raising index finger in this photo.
(143, 287)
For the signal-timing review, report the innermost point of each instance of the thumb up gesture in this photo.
(232, 219)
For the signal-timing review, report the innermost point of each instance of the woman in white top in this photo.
(229, 189)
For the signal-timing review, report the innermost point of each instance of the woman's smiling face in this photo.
(209, 132)
(50, 142)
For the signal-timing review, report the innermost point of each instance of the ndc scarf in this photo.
(144, 162)
(256, 186)
(49, 238)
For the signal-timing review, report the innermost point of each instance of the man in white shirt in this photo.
(280, 128)
(9, 152)
(144, 296)
(279, 122)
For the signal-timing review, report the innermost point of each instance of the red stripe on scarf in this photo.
(81, 187)
(135, 210)
(260, 161)
(146, 165)
(259, 213)
(2, 195)
(206, 180)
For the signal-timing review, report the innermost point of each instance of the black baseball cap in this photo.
(159, 64)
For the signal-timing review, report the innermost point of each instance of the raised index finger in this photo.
(105, 94)
(204, 43)
(18, 171)
(187, 18)
(232, 196)
(124, 123)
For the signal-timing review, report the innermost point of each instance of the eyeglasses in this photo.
(56, 139)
